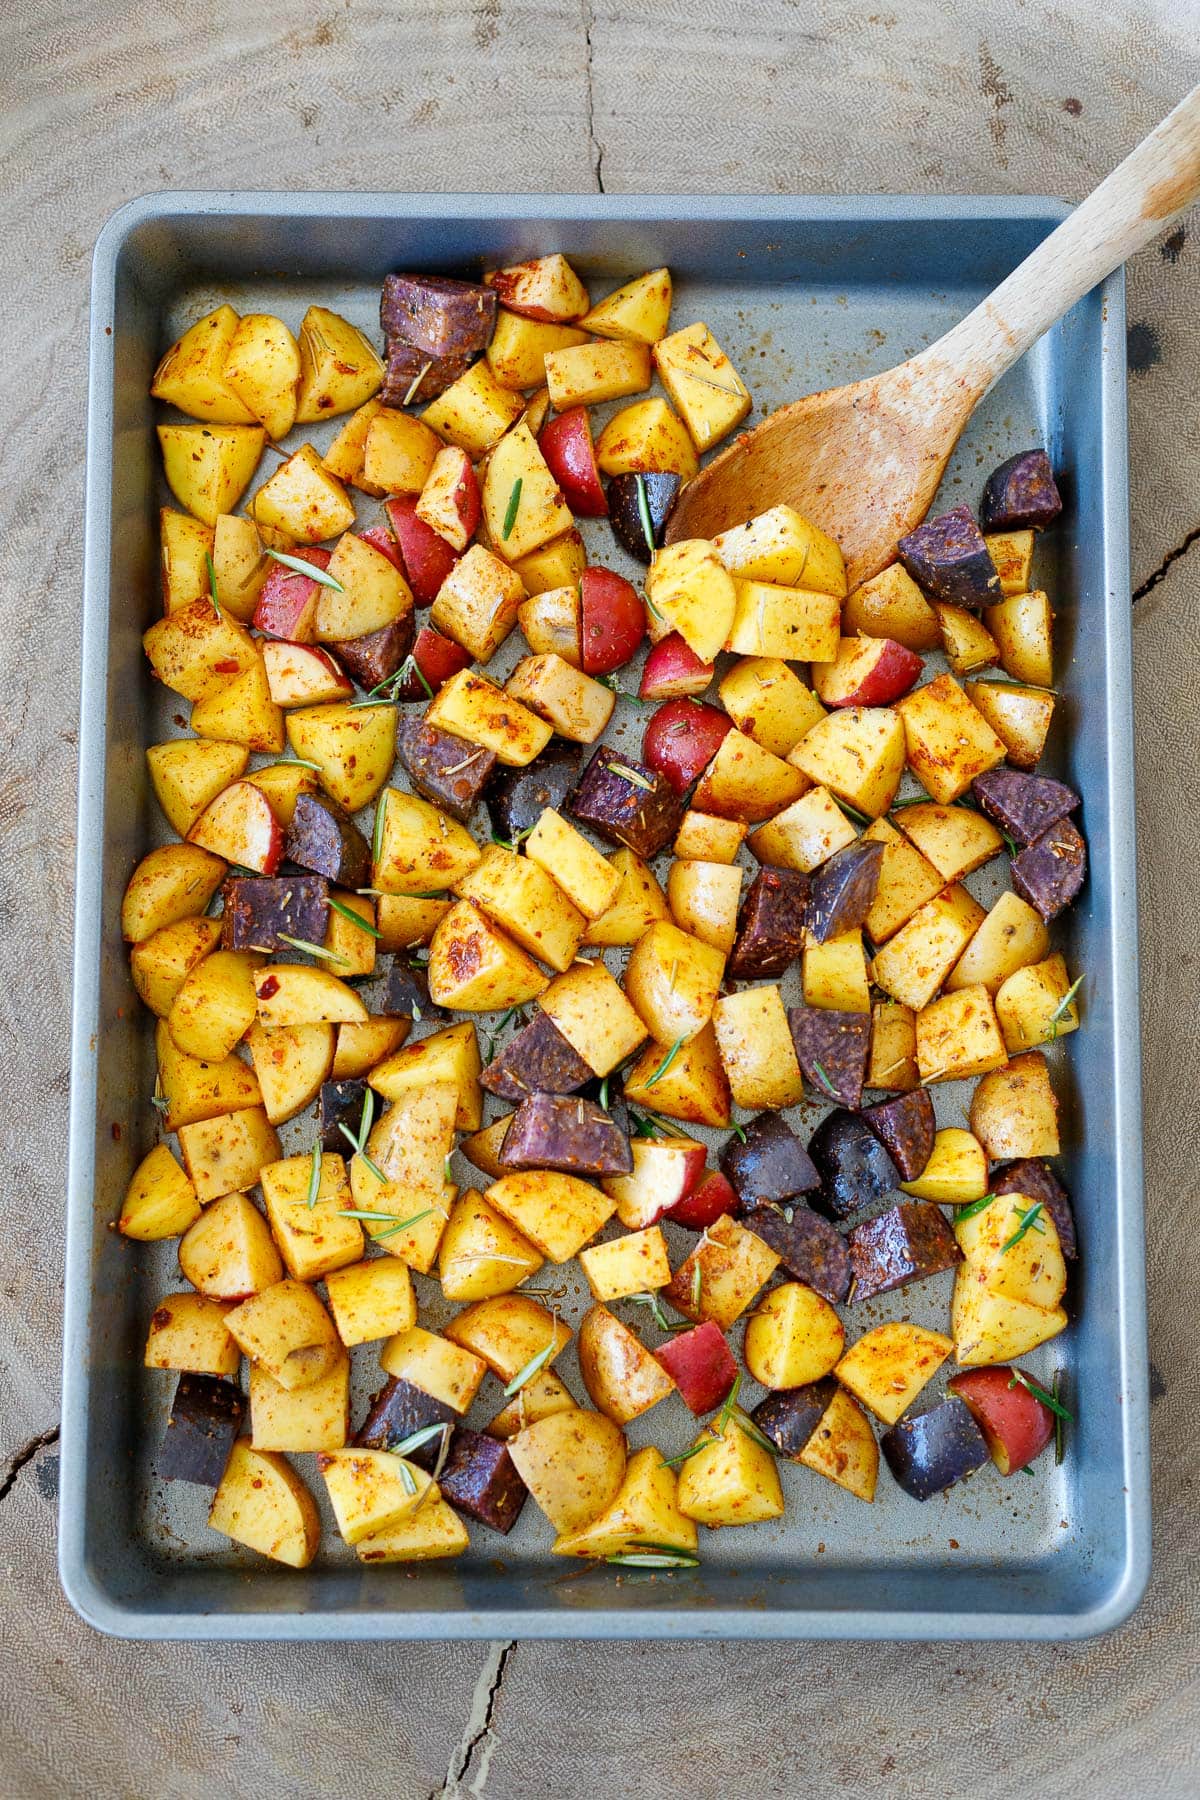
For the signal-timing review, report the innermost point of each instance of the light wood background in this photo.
(103, 101)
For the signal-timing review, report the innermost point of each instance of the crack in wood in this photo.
(24, 1457)
(1172, 556)
(589, 19)
(478, 1730)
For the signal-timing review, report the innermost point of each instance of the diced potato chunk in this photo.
(756, 1048)
(636, 313)
(1014, 1112)
(690, 588)
(592, 373)
(477, 603)
(302, 498)
(435, 1365)
(793, 624)
(420, 847)
(559, 1213)
(956, 1173)
(523, 506)
(1036, 1005)
(472, 707)
(475, 411)
(891, 605)
(914, 963)
(768, 701)
(707, 390)
(906, 882)
(576, 706)
(858, 754)
(637, 903)
(953, 838)
(314, 1238)
(646, 436)
(835, 974)
(586, 877)
(734, 1264)
(1023, 628)
(481, 1253)
(782, 547)
(519, 895)
(673, 981)
(948, 742)
(1011, 936)
(730, 1480)
(957, 1036)
(687, 1083)
(893, 1061)
(636, 1263)
(705, 837)
(594, 1016)
(370, 1490)
(888, 1366)
(703, 897)
(803, 835)
(371, 1300)
(744, 781)
(473, 967)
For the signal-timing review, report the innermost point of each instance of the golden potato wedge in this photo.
(993, 1328)
(540, 1396)
(226, 1154)
(703, 837)
(780, 546)
(889, 1365)
(590, 882)
(262, 366)
(288, 1331)
(646, 436)
(519, 347)
(354, 748)
(229, 1252)
(295, 994)
(408, 1148)
(644, 1512)
(706, 388)
(594, 1016)
(734, 1264)
(523, 505)
(291, 1062)
(1023, 627)
(730, 1480)
(351, 945)
(892, 1064)
(690, 589)
(473, 967)
(956, 1173)
(240, 565)
(373, 593)
(636, 1263)
(194, 376)
(1015, 1243)
(339, 368)
(420, 848)
(172, 883)
(891, 605)
(744, 781)
(947, 741)
(398, 454)
(769, 703)
(371, 1300)
(186, 545)
(475, 411)
(303, 499)
(1012, 553)
(344, 457)
(518, 894)
(283, 783)
(300, 1420)
(785, 623)
(576, 706)
(481, 1254)
(573, 1464)
(672, 981)
(619, 1373)
(558, 1213)
(160, 1201)
(1011, 936)
(483, 1148)
(406, 921)
(687, 1083)
(636, 313)
(1020, 716)
(1014, 1111)
(843, 1448)
(968, 643)
(637, 902)
(1037, 1005)
(556, 565)
(188, 773)
(509, 1331)
(160, 965)
(805, 834)
(242, 712)
(703, 897)
(209, 467)
(214, 1007)
(958, 1036)
(857, 752)
(435, 1531)
(907, 881)
(792, 1337)
(953, 838)
(194, 1090)
(590, 373)
(918, 959)
(474, 708)
(756, 1048)
(370, 1490)
(834, 974)
(310, 1225)
(450, 1055)
(189, 1332)
(435, 1365)
(262, 1503)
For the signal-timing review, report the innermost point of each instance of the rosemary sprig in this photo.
(518, 837)
(604, 1093)
(416, 381)
(512, 509)
(1029, 1222)
(415, 1439)
(655, 1559)
(401, 1224)
(823, 1077)
(410, 666)
(665, 1064)
(348, 912)
(735, 393)
(643, 501)
(976, 1206)
(652, 609)
(160, 1103)
(729, 1403)
(530, 1370)
(673, 1462)
(852, 812)
(379, 1218)
(494, 1035)
(655, 1306)
(1020, 1379)
(212, 583)
(650, 1125)
(746, 1424)
(631, 775)
(377, 834)
(321, 576)
(311, 949)
(739, 1132)
(408, 1479)
(1060, 1413)
(302, 762)
(314, 1179)
(1060, 1012)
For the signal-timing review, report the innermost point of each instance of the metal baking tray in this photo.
(804, 293)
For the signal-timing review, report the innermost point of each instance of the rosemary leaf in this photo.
(530, 1369)
(665, 1064)
(1060, 1012)
(512, 509)
(631, 775)
(310, 949)
(655, 1559)
(414, 1441)
(348, 912)
(1029, 1222)
(212, 582)
(1019, 1378)
(314, 1179)
(320, 576)
(643, 500)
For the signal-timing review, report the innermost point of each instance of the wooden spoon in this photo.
(864, 461)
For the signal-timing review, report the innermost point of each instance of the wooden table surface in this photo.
(101, 102)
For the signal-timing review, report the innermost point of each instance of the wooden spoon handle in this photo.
(1154, 184)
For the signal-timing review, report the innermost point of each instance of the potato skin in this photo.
(807, 1246)
(517, 798)
(258, 908)
(790, 1416)
(205, 1419)
(771, 927)
(399, 1409)
(1050, 871)
(931, 1452)
(949, 560)
(833, 1049)
(567, 1133)
(1023, 805)
(841, 890)
(538, 1060)
(769, 1164)
(907, 1243)
(623, 1379)
(444, 768)
(853, 1164)
(1036, 1180)
(643, 813)
(437, 314)
(377, 655)
(1021, 492)
(325, 839)
(906, 1129)
(479, 1479)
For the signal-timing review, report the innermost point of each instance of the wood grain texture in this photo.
(100, 103)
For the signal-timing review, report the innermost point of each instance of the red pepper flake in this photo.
(268, 987)
(227, 667)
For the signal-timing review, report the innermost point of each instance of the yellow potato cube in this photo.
(891, 605)
(523, 506)
(689, 588)
(594, 1016)
(263, 367)
(704, 837)
(193, 374)
(475, 411)
(262, 1503)
(481, 1253)
(734, 1264)
(435, 1365)
(224, 1155)
(892, 1065)
(559, 1213)
(1023, 628)
(843, 1448)
(1021, 716)
(450, 1055)
(906, 882)
(956, 1173)
(436, 1531)
(1011, 935)
(646, 436)
(781, 547)
(420, 847)
(835, 974)
(644, 1513)
(792, 624)
(688, 1082)
(370, 1490)
(576, 706)
(703, 897)
(300, 1420)
(303, 499)
(185, 543)
(477, 603)
(673, 981)
(770, 703)
(948, 742)
(592, 373)
(792, 1337)
(957, 1036)
(1014, 1112)
(636, 313)
(1012, 553)
(339, 367)
(1037, 1005)
(188, 1332)
(803, 835)
(519, 347)
(744, 781)
(209, 467)
(160, 1201)
(315, 1237)
(703, 383)
(475, 968)
(371, 1300)
(917, 959)
(731, 1479)
(953, 838)
(587, 878)
(557, 565)
(755, 1042)
(856, 752)
(634, 1264)
(888, 1366)
(968, 643)
(637, 902)
(994, 1328)
(344, 457)
(519, 895)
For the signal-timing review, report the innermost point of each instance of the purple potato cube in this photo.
(910, 1242)
(949, 559)
(1050, 871)
(931, 1452)
(1021, 493)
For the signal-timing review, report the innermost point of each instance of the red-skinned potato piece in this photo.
(437, 658)
(287, 604)
(672, 671)
(665, 1170)
(868, 671)
(701, 1365)
(706, 1203)
(380, 538)
(450, 503)
(240, 826)
(1016, 1424)
(681, 740)
(612, 621)
(427, 558)
(566, 444)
